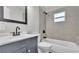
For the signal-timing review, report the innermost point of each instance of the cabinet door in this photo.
(32, 46)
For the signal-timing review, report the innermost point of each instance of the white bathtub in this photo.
(61, 46)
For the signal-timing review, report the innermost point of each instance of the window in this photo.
(59, 17)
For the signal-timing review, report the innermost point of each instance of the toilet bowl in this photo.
(44, 47)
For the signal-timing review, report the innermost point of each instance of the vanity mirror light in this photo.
(14, 14)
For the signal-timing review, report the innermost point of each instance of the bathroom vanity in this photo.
(19, 44)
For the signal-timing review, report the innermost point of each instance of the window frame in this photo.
(64, 16)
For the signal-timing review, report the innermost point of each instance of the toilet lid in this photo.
(44, 44)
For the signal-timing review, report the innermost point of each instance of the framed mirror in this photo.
(15, 14)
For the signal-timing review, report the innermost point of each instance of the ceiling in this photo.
(50, 8)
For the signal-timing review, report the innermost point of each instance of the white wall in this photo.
(33, 19)
(64, 30)
(32, 25)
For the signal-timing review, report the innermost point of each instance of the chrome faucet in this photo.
(16, 33)
(17, 28)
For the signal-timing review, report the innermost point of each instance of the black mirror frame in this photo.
(14, 21)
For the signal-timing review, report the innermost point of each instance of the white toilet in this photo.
(44, 47)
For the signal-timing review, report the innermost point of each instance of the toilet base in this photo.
(44, 51)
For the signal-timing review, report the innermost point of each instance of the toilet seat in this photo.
(45, 46)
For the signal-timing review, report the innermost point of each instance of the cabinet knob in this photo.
(29, 50)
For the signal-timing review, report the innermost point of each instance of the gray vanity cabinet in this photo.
(24, 46)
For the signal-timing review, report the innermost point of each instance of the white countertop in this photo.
(10, 39)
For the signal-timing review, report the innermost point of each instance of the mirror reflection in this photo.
(16, 13)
